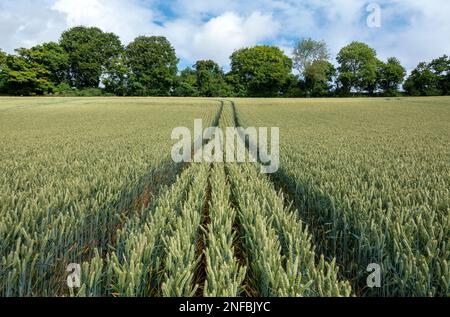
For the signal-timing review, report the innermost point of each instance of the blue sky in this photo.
(412, 30)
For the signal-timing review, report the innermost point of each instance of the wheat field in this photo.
(91, 181)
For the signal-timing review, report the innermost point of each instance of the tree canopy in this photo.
(357, 68)
(318, 78)
(186, 85)
(88, 61)
(2, 58)
(52, 57)
(260, 70)
(20, 77)
(210, 79)
(307, 52)
(90, 52)
(430, 79)
(153, 65)
(390, 76)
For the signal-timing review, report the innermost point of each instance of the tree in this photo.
(422, 82)
(318, 78)
(390, 75)
(153, 64)
(441, 68)
(116, 76)
(210, 79)
(186, 85)
(21, 77)
(358, 68)
(3, 57)
(52, 57)
(307, 52)
(431, 79)
(260, 71)
(90, 52)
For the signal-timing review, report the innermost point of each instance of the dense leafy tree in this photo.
(90, 52)
(294, 87)
(210, 79)
(51, 56)
(390, 76)
(430, 79)
(237, 85)
(357, 68)
(307, 52)
(260, 71)
(186, 85)
(153, 64)
(441, 68)
(116, 76)
(318, 78)
(3, 57)
(21, 77)
(422, 82)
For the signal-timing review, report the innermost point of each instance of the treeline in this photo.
(87, 61)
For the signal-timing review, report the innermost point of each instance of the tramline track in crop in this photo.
(151, 240)
(370, 179)
(306, 270)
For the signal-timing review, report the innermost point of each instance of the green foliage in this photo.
(90, 52)
(35, 71)
(50, 56)
(207, 79)
(90, 92)
(3, 57)
(390, 76)
(211, 79)
(431, 79)
(422, 82)
(117, 76)
(186, 85)
(260, 71)
(357, 68)
(64, 89)
(24, 78)
(318, 78)
(307, 52)
(153, 65)
(441, 68)
(89, 59)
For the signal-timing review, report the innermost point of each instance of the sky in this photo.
(412, 30)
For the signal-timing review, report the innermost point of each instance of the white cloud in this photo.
(220, 36)
(125, 18)
(23, 23)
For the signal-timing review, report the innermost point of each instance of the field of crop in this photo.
(371, 178)
(91, 181)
